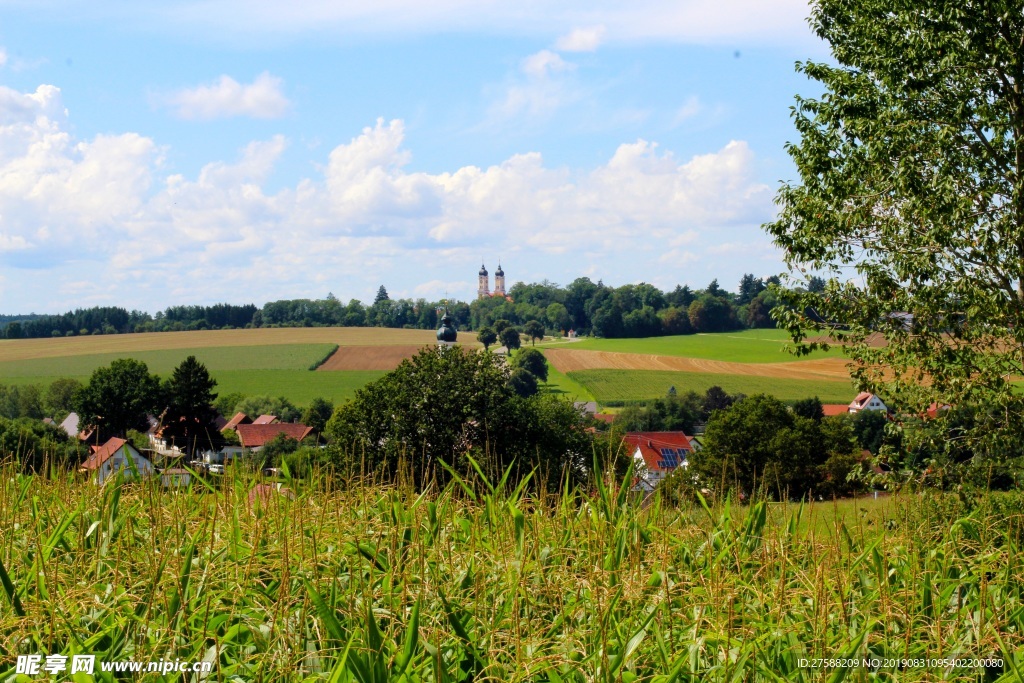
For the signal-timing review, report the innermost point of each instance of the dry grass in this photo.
(369, 357)
(574, 360)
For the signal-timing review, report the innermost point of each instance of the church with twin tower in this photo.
(484, 288)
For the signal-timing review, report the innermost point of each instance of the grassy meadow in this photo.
(360, 582)
(563, 385)
(639, 385)
(744, 346)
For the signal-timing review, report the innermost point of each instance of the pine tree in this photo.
(189, 419)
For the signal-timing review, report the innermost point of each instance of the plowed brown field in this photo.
(369, 357)
(571, 360)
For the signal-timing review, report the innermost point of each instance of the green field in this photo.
(298, 386)
(563, 385)
(746, 346)
(163, 362)
(638, 385)
(276, 370)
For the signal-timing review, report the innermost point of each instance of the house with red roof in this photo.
(831, 409)
(266, 420)
(656, 454)
(116, 454)
(936, 409)
(867, 401)
(253, 437)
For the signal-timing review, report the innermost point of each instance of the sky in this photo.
(164, 153)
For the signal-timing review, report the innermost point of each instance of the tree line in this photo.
(633, 310)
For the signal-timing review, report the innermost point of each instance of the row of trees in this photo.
(116, 320)
(589, 308)
(640, 310)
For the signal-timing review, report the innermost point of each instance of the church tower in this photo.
(483, 290)
(499, 281)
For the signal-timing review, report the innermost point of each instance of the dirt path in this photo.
(571, 360)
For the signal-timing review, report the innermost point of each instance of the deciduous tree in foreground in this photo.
(911, 199)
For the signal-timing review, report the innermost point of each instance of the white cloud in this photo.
(95, 221)
(544, 63)
(691, 108)
(3, 57)
(227, 98)
(581, 39)
(542, 86)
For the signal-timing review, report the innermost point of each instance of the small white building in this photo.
(867, 401)
(116, 454)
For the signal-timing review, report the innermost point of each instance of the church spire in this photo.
(483, 289)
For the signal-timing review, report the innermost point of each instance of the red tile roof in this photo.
(104, 453)
(603, 417)
(651, 443)
(265, 420)
(238, 419)
(255, 435)
(830, 409)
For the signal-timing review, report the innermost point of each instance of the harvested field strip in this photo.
(281, 356)
(121, 344)
(573, 360)
(641, 385)
(747, 346)
(369, 357)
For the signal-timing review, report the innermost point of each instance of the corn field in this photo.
(481, 581)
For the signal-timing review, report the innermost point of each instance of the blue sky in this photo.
(197, 152)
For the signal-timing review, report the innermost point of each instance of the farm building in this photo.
(253, 437)
(116, 454)
(656, 454)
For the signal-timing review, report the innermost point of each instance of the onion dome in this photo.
(446, 333)
(499, 272)
(483, 270)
